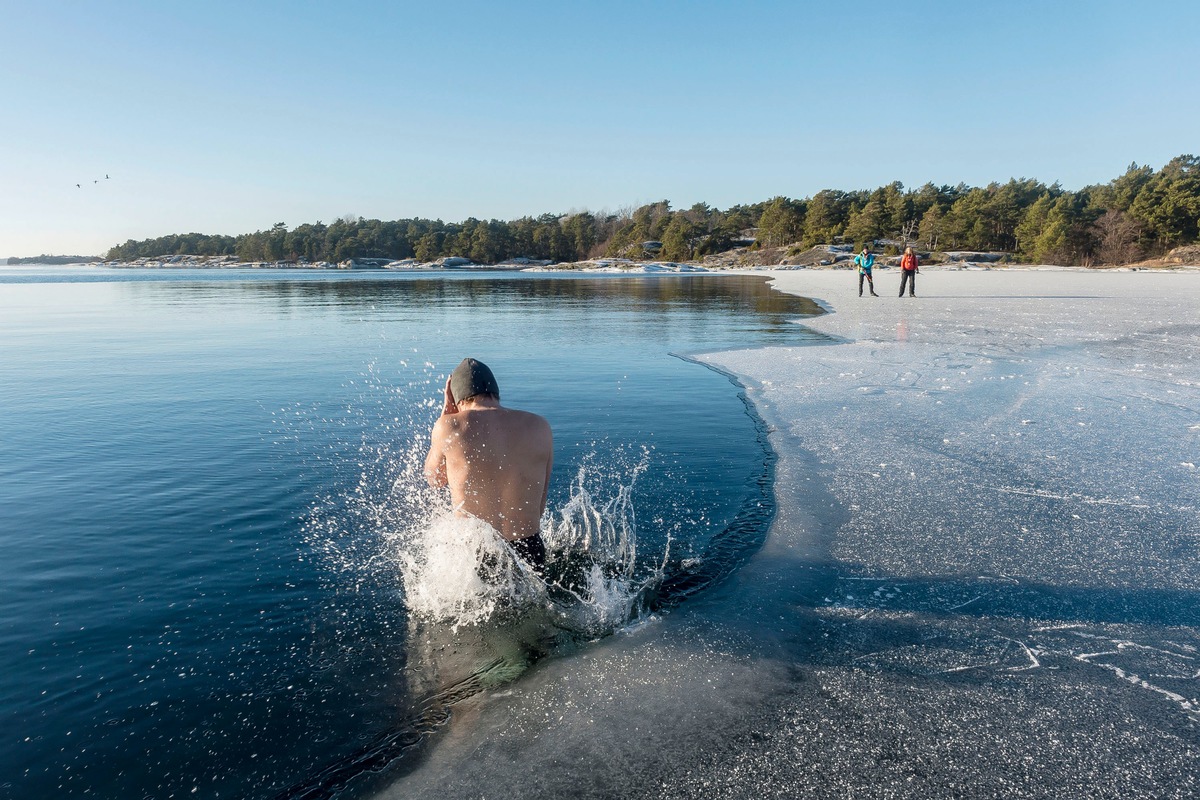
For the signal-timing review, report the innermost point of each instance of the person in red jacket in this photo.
(908, 272)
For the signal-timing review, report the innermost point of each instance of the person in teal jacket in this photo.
(865, 263)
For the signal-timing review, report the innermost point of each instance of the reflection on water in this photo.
(454, 665)
(744, 292)
(749, 300)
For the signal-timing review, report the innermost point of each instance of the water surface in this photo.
(200, 471)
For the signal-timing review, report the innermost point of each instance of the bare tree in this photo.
(1117, 234)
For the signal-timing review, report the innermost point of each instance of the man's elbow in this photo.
(435, 471)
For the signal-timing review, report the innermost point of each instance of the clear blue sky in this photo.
(227, 117)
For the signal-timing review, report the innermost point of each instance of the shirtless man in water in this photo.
(495, 460)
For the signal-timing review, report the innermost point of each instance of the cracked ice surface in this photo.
(1040, 426)
(1012, 537)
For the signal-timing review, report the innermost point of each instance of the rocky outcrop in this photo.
(1184, 256)
(973, 257)
(792, 256)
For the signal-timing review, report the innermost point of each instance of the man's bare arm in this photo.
(448, 404)
(435, 461)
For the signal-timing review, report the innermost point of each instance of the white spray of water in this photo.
(593, 524)
(597, 526)
(458, 571)
(394, 530)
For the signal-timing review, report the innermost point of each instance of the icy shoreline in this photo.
(981, 580)
(602, 265)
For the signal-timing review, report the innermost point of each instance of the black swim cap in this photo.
(470, 378)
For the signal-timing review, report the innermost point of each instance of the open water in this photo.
(222, 576)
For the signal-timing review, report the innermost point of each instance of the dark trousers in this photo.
(908, 276)
(532, 549)
(870, 280)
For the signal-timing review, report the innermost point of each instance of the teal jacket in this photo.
(864, 264)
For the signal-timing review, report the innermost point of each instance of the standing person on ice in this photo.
(865, 263)
(495, 460)
(908, 272)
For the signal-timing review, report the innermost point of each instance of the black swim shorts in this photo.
(532, 549)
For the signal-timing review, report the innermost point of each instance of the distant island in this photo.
(44, 259)
(1144, 214)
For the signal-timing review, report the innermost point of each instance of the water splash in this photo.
(477, 615)
(592, 547)
(470, 616)
(391, 531)
(458, 571)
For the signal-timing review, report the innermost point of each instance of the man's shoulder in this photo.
(510, 416)
(444, 424)
(526, 423)
(528, 418)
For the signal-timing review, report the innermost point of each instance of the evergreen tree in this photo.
(679, 237)
(488, 243)
(429, 246)
(1065, 237)
(781, 222)
(870, 222)
(551, 243)
(826, 219)
(930, 230)
(899, 211)
(580, 230)
(1120, 193)
(1032, 225)
(1169, 203)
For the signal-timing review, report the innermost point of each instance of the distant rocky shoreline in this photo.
(792, 257)
(54, 260)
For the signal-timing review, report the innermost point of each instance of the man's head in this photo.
(472, 379)
(865, 250)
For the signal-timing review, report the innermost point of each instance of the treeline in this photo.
(1140, 214)
(48, 259)
(570, 237)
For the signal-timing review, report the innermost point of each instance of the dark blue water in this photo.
(190, 464)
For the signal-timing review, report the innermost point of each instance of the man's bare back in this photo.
(495, 460)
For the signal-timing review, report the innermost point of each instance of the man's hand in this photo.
(449, 407)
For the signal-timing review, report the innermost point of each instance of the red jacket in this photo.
(909, 262)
